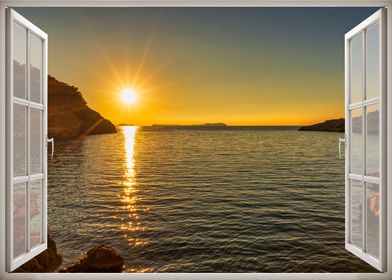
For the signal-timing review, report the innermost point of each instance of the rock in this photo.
(48, 261)
(69, 116)
(31, 266)
(99, 259)
(336, 125)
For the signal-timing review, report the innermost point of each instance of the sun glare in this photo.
(129, 96)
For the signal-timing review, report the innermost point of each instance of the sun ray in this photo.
(145, 53)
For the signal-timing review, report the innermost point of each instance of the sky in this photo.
(240, 66)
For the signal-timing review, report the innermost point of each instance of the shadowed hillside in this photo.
(68, 114)
(336, 125)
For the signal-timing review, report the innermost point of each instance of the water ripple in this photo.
(176, 200)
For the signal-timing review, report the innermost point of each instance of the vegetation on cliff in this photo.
(68, 113)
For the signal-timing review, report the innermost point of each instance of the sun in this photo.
(129, 96)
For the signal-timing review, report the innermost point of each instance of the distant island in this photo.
(335, 125)
(125, 124)
(192, 125)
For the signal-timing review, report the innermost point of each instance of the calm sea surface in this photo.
(203, 200)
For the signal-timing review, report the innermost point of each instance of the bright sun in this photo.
(129, 96)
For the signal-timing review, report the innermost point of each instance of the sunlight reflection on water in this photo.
(129, 194)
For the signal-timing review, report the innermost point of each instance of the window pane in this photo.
(35, 212)
(373, 62)
(36, 141)
(356, 143)
(19, 219)
(373, 219)
(19, 56)
(356, 194)
(35, 68)
(372, 140)
(356, 69)
(19, 141)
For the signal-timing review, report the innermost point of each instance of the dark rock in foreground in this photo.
(48, 261)
(69, 116)
(100, 259)
(336, 125)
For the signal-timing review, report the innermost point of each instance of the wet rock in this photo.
(99, 259)
(48, 261)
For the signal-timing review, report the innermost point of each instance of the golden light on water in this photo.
(129, 136)
(131, 225)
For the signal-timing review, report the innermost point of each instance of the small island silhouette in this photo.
(125, 124)
(192, 125)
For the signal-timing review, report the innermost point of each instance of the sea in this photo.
(203, 199)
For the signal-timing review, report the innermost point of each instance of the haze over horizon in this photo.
(239, 66)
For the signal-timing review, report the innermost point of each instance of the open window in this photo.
(26, 140)
(365, 112)
(366, 142)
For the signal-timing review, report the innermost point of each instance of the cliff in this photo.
(68, 113)
(336, 125)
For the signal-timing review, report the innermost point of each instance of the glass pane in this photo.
(373, 62)
(356, 79)
(372, 140)
(35, 212)
(19, 56)
(35, 68)
(356, 143)
(19, 219)
(356, 193)
(373, 217)
(20, 159)
(36, 141)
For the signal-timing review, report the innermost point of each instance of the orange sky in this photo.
(264, 66)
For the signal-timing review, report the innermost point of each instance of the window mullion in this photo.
(28, 143)
(364, 200)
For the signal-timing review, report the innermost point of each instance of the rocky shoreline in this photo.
(102, 258)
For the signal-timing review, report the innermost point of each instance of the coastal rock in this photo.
(48, 261)
(336, 125)
(99, 259)
(68, 114)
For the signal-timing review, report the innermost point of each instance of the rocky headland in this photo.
(335, 125)
(69, 115)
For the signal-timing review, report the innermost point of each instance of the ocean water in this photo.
(235, 199)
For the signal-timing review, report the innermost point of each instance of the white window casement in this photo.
(366, 120)
(26, 144)
(23, 138)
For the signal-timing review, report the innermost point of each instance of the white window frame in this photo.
(377, 17)
(13, 263)
(195, 3)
